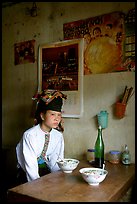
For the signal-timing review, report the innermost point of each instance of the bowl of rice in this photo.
(67, 165)
(93, 176)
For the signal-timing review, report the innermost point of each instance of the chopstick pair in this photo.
(127, 94)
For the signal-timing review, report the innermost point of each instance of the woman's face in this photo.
(50, 119)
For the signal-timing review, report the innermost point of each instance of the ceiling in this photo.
(6, 4)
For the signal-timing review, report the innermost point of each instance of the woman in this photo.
(35, 159)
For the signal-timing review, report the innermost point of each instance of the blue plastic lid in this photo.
(91, 150)
(114, 152)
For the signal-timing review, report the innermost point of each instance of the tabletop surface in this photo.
(70, 187)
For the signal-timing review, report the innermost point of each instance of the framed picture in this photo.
(24, 52)
(60, 67)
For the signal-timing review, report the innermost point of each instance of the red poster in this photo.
(103, 39)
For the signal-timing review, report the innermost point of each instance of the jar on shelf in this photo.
(90, 155)
(114, 156)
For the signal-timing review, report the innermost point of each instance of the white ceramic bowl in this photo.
(67, 165)
(93, 176)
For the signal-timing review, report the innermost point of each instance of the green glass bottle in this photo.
(99, 149)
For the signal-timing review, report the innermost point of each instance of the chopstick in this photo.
(127, 94)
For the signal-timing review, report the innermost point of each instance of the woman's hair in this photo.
(42, 108)
(60, 127)
(48, 100)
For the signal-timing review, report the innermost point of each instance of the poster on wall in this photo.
(103, 42)
(129, 61)
(24, 52)
(60, 66)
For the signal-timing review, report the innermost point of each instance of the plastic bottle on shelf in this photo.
(99, 149)
(126, 157)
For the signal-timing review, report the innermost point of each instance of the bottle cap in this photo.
(91, 150)
(126, 147)
(114, 152)
(100, 127)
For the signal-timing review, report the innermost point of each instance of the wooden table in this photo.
(70, 187)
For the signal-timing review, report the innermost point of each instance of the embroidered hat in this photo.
(49, 100)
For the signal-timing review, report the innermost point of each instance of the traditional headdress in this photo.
(48, 100)
(51, 99)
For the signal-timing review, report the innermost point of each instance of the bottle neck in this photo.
(99, 150)
(99, 140)
(126, 149)
(100, 133)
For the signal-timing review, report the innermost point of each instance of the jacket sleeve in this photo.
(29, 158)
